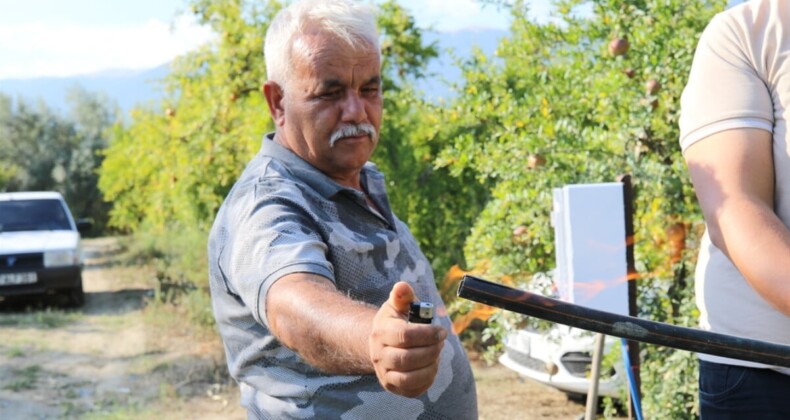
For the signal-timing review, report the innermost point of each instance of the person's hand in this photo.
(405, 356)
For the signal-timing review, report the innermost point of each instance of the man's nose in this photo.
(354, 108)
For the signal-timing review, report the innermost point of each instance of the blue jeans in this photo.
(737, 392)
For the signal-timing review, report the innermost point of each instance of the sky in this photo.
(43, 38)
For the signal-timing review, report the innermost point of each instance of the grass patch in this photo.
(132, 276)
(148, 364)
(123, 261)
(112, 411)
(15, 351)
(24, 343)
(188, 313)
(24, 378)
(48, 319)
(181, 303)
(69, 409)
(167, 391)
(71, 394)
(117, 322)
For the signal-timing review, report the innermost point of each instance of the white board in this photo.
(589, 228)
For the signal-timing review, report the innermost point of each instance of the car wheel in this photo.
(76, 297)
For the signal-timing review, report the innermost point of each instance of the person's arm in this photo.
(339, 335)
(733, 175)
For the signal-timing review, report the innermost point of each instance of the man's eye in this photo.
(330, 95)
(371, 91)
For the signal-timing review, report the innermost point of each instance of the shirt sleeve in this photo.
(725, 89)
(275, 236)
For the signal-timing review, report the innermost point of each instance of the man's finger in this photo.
(410, 335)
(411, 384)
(401, 297)
(405, 360)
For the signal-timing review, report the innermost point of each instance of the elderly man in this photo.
(311, 274)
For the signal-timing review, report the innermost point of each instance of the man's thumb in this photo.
(401, 296)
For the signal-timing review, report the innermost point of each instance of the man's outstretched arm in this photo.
(339, 335)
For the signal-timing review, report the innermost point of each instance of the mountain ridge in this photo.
(132, 87)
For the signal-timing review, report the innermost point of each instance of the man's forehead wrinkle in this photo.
(324, 64)
(316, 44)
(341, 74)
(330, 83)
(341, 59)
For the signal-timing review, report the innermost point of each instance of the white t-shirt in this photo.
(741, 79)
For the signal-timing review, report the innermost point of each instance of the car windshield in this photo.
(26, 215)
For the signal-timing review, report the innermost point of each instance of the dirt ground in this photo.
(109, 359)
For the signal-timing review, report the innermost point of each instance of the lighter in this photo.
(421, 312)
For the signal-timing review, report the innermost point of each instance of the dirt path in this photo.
(110, 359)
(105, 359)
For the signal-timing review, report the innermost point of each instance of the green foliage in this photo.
(41, 150)
(169, 170)
(172, 167)
(439, 207)
(177, 163)
(93, 115)
(556, 107)
(165, 250)
(34, 145)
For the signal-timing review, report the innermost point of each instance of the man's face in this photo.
(331, 90)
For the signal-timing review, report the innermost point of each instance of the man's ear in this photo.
(274, 98)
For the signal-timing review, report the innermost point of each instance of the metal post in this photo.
(633, 310)
(595, 377)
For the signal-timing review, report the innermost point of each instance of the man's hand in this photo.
(405, 356)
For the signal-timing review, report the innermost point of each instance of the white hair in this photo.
(350, 22)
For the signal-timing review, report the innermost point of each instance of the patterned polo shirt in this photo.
(284, 216)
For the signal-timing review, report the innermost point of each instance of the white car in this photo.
(561, 358)
(40, 246)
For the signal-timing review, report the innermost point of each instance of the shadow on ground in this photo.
(117, 302)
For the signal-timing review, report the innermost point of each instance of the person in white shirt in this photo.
(734, 138)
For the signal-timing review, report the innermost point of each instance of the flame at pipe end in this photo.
(479, 311)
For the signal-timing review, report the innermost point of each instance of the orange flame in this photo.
(448, 287)
(479, 311)
(676, 233)
(589, 289)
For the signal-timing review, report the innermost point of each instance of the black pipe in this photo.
(628, 327)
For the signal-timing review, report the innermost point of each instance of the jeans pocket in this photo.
(717, 381)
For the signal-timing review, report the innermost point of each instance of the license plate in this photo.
(13, 279)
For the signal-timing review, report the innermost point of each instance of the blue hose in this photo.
(631, 382)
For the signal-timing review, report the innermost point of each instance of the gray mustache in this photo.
(353, 130)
